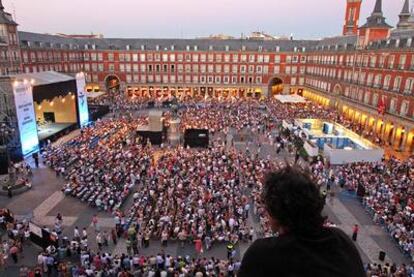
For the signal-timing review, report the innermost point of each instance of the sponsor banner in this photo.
(23, 98)
(82, 100)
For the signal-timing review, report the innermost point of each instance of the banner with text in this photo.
(82, 100)
(23, 98)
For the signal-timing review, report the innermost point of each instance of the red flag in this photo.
(381, 105)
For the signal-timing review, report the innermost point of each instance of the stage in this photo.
(52, 130)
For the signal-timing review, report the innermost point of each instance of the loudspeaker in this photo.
(154, 137)
(196, 138)
(360, 190)
(4, 167)
(381, 256)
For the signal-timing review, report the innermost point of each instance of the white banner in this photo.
(33, 228)
(23, 98)
(82, 99)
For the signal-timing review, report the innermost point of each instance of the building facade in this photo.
(367, 73)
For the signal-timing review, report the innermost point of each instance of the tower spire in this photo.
(405, 17)
(378, 7)
(1, 6)
(405, 10)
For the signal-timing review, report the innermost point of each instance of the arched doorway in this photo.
(275, 86)
(112, 83)
(337, 90)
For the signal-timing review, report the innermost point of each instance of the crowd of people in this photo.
(389, 194)
(202, 196)
(101, 165)
(195, 194)
(17, 234)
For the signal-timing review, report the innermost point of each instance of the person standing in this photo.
(36, 159)
(99, 241)
(9, 191)
(95, 223)
(13, 253)
(355, 231)
(198, 244)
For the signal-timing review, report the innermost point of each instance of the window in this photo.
(391, 62)
(377, 81)
(370, 79)
(243, 69)
(393, 105)
(373, 61)
(387, 82)
(234, 68)
(409, 84)
(412, 62)
(218, 68)
(277, 59)
(403, 59)
(404, 108)
(234, 79)
(235, 58)
(251, 68)
(397, 84)
(367, 97)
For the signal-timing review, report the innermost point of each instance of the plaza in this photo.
(164, 157)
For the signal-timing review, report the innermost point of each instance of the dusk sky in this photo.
(189, 18)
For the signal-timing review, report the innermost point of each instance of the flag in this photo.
(381, 105)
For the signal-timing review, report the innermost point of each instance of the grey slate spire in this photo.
(406, 7)
(1, 6)
(376, 19)
(405, 16)
(378, 7)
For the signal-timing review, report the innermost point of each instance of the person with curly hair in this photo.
(303, 245)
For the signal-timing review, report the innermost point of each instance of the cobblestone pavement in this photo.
(42, 203)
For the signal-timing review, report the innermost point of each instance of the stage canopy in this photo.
(293, 99)
(48, 84)
(95, 94)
